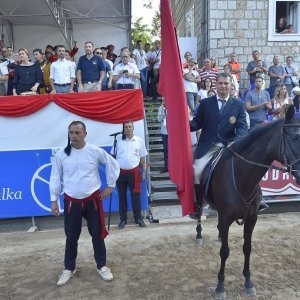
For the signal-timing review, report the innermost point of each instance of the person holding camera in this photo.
(125, 73)
(191, 79)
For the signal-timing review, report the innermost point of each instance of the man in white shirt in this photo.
(131, 154)
(141, 61)
(156, 57)
(75, 168)
(125, 73)
(62, 73)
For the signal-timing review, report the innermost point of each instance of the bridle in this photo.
(284, 148)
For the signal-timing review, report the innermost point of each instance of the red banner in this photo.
(172, 89)
(109, 106)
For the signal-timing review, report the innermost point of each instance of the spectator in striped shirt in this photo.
(208, 72)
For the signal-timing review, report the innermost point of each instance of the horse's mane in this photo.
(253, 135)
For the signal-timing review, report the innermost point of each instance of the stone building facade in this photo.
(226, 26)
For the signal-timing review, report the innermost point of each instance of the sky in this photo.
(138, 10)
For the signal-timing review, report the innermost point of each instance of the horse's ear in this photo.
(290, 112)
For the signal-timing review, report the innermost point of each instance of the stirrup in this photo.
(263, 205)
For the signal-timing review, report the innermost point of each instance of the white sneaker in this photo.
(105, 273)
(65, 276)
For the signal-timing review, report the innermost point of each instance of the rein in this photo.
(286, 168)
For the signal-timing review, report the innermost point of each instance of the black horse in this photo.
(234, 187)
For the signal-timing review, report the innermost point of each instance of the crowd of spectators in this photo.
(54, 70)
(261, 102)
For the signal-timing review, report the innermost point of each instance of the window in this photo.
(189, 21)
(284, 20)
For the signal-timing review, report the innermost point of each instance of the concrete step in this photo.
(153, 125)
(155, 139)
(153, 131)
(163, 184)
(156, 175)
(156, 156)
(151, 108)
(157, 163)
(165, 196)
(151, 115)
(151, 119)
(156, 147)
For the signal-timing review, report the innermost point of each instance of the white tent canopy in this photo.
(35, 23)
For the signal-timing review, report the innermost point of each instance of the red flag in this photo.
(172, 89)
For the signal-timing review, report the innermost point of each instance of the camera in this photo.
(125, 71)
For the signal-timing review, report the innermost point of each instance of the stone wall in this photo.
(234, 25)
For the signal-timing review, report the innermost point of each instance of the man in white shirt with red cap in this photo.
(76, 169)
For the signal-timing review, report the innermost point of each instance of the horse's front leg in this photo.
(223, 227)
(199, 203)
(248, 229)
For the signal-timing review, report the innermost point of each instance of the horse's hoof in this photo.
(250, 292)
(220, 295)
(199, 242)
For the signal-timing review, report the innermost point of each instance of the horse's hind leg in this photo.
(248, 229)
(223, 227)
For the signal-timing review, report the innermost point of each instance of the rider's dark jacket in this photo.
(225, 126)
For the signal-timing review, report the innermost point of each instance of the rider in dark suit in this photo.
(223, 121)
(218, 126)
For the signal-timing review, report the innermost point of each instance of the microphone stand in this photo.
(110, 197)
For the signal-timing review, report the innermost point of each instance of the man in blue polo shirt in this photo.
(90, 70)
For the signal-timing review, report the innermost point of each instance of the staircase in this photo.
(162, 189)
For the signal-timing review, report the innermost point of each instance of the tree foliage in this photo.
(140, 31)
(156, 25)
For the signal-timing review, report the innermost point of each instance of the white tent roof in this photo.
(64, 16)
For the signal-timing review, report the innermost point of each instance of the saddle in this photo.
(208, 170)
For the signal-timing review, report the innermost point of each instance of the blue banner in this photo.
(24, 184)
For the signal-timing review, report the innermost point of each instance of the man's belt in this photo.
(137, 180)
(90, 82)
(63, 84)
(126, 86)
(96, 198)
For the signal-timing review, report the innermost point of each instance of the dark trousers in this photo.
(73, 222)
(153, 87)
(123, 182)
(144, 75)
(165, 145)
(149, 78)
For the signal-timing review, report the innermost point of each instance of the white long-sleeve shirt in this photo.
(78, 173)
(62, 71)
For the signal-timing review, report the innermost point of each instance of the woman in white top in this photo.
(206, 85)
(191, 79)
(281, 99)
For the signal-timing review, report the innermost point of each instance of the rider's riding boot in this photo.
(196, 214)
(263, 205)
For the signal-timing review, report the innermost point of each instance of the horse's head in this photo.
(291, 142)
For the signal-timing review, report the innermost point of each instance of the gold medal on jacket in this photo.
(232, 120)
